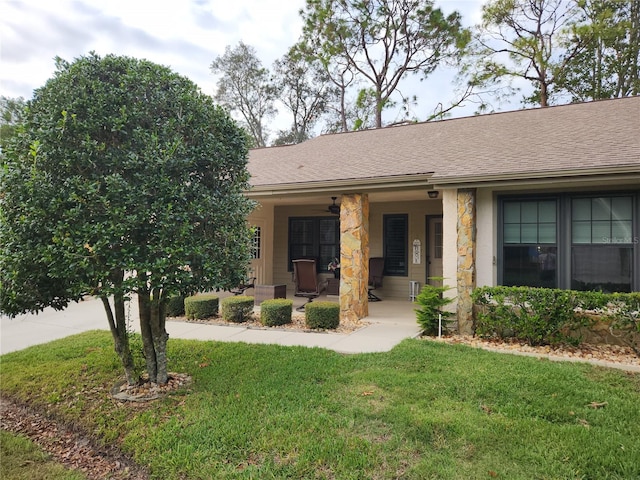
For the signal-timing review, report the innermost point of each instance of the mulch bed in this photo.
(613, 355)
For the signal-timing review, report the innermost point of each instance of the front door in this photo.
(434, 249)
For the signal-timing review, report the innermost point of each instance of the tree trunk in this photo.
(154, 336)
(118, 327)
(144, 308)
(160, 337)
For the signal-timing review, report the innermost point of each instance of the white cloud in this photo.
(184, 35)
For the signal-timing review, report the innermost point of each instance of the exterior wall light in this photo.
(433, 193)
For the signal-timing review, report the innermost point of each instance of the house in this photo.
(542, 197)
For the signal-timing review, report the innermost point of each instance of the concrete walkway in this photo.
(390, 322)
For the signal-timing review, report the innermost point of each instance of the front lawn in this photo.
(424, 410)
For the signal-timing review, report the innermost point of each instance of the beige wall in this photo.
(486, 240)
(394, 287)
(262, 216)
(450, 248)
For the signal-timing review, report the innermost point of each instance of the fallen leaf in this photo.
(597, 404)
(366, 394)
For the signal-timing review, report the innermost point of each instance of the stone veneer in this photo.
(466, 271)
(354, 256)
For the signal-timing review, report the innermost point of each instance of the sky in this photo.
(185, 35)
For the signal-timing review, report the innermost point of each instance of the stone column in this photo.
(466, 272)
(354, 256)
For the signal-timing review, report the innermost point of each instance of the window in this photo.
(529, 243)
(571, 241)
(314, 237)
(396, 234)
(438, 239)
(256, 243)
(602, 243)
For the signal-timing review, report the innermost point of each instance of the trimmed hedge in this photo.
(542, 316)
(275, 312)
(322, 315)
(201, 306)
(237, 309)
(175, 306)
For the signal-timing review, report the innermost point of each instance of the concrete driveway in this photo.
(33, 329)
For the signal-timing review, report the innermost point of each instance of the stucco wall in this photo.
(486, 239)
(262, 216)
(450, 250)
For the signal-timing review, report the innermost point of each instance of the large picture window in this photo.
(570, 241)
(396, 234)
(314, 237)
(602, 243)
(530, 243)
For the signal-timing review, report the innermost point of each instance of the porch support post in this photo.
(466, 271)
(354, 256)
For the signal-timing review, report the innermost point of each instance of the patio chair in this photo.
(305, 279)
(376, 269)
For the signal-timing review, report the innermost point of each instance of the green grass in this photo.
(21, 459)
(424, 410)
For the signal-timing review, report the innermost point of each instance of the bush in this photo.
(276, 312)
(431, 300)
(237, 309)
(322, 315)
(175, 306)
(201, 306)
(537, 316)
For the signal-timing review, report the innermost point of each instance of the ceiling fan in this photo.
(333, 208)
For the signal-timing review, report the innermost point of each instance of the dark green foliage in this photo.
(121, 165)
(175, 306)
(431, 300)
(537, 316)
(276, 312)
(201, 306)
(237, 309)
(322, 315)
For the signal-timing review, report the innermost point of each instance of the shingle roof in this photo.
(552, 141)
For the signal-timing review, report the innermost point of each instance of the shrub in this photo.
(537, 316)
(431, 300)
(201, 306)
(175, 306)
(322, 315)
(237, 309)
(276, 312)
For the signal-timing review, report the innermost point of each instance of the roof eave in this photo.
(627, 173)
(361, 185)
